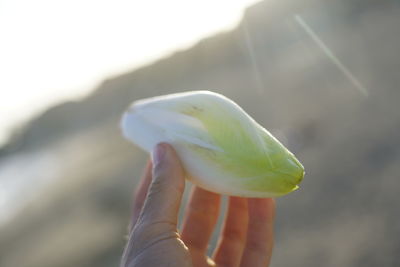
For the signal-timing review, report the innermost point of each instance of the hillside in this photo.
(345, 213)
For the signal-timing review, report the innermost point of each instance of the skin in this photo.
(154, 240)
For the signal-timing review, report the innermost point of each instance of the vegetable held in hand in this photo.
(222, 149)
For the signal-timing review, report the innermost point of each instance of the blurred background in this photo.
(322, 76)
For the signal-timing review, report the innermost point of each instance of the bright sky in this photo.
(51, 51)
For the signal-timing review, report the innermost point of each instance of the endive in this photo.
(221, 147)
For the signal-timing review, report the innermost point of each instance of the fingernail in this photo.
(158, 154)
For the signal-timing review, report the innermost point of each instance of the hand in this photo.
(246, 239)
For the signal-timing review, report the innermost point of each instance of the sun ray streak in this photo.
(250, 49)
(328, 52)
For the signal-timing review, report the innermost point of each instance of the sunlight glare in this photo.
(51, 51)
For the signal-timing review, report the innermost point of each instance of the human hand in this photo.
(246, 239)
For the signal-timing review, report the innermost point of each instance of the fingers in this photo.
(166, 189)
(140, 195)
(233, 238)
(258, 249)
(201, 216)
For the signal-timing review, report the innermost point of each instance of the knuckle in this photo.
(256, 245)
(234, 235)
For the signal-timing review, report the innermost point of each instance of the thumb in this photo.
(166, 189)
(158, 218)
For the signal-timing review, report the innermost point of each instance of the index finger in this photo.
(201, 216)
